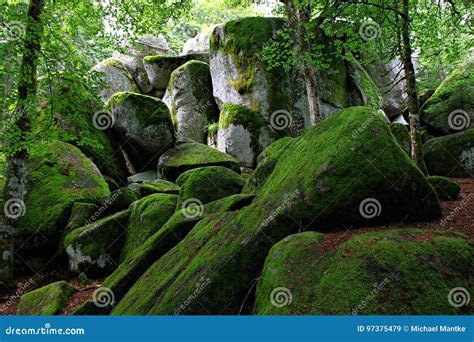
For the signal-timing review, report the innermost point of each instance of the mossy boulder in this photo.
(445, 189)
(144, 123)
(48, 300)
(189, 98)
(191, 155)
(451, 156)
(58, 175)
(114, 77)
(116, 201)
(81, 215)
(325, 172)
(158, 186)
(177, 227)
(70, 109)
(243, 133)
(207, 184)
(147, 216)
(94, 249)
(159, 67)
(402, 135)
(399, 272)
(451, 108)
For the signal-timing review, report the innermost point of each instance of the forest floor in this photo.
(457, 215)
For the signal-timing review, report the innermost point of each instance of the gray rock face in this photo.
(144, 123)
(190, 101)
(243, 134)
(144, 46)
(159, 68)
(200, 43)
(115, 77)
(389, 80)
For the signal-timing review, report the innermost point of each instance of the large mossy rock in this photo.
(157, 186)
(69, 107)
(451, 108)
(81, 215)
(399, 272)
(445, 189)
(147, 216)
(144, 123)
(191, 155)
(58, 175)
(189, 98)
(207, 184)
(94, 249)
(320, 182)
(243, 133)
(48, 300)
(175, 229)
(402, 135)
(451, 156)
(241, 76)
(159, 68)
(114, 77)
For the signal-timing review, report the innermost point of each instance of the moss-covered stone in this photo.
(323, 173)
(116, 201)
(208, 184)
(402, 135)
(158, 186)
(81, 215)
(243, 133)
(452, 155)
(147, 216)
(189, 156)
(67, 107)
(454, 96)
(58, 175)
(48, 300)
(400, 272)
(145, 124)
(94, 249)
(445, 189)
(157, 245)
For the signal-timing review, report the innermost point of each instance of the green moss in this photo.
(402, 135)
(208, 184)
(456, 92)
(387, 273)
(192, 155)
(328, 170)
(147, 216)
(59, 175)
(81, 213)
(373, 98)
(445, 189)
(46, 301)
(452, 155)
(157, 186)
(241, 115)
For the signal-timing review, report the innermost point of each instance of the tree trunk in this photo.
(15, 187)
(301, 35)
(413, 105)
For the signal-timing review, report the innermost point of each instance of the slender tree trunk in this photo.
(413, 104)
(15, 188)
(300, 17)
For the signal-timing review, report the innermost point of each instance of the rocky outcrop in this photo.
(318, 177)
(451, 108)
(299, 279)
(243, 134)
(190, 101)
(452, 155)
(144, 123)
(114, 77)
